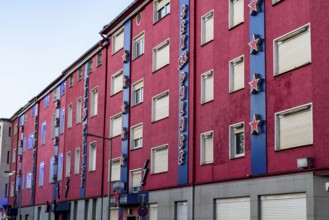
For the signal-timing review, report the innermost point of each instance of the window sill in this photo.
(136, 148)
(203, 103)
(98, 65)
(235, 91)
(206, 43)
(137, 104)
(290, 148)
(93, 116)
(113, 94)
(234, 26)
(162, 172)
(115, 52)
(206, 163)
(135, 58)
(154, 71)
(155, 22)
(92, 171)
(237, 157)
(287, 71)
(161, 119)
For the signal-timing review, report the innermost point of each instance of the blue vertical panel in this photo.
(183, 80)
(56, 143)
(258, 100)
(84, 131)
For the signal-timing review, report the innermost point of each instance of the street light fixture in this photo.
(110, 169)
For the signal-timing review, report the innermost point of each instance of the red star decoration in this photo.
(254, 6)
(124, 82)
(255, 84)
(123, 134)
(124, 108)
(125, 56)
(254, 44)
(123, 160)
(255, 125)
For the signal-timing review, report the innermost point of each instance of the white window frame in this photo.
(92, 156)
(77, 156)
(139, 38)
(137, 86)
(71, 80)
(68, 164)
(80, 74)
(94, 102)
(116, 79)
(209, 15)
(69, 115)
(232, 76)
(204, 76)
(153, 211)
(156, 50)
(153, 150)
(294, 110)
(29, 180)
(224, 210)
(156, 18)
(13, 155)
(274, 2)
(114, 36)
(203, 137)
(42, 164)
(12, 189)
(178, 206)
(305, 29)
(232, 18)
(154, 99)
(60, 167)
(118, 163)
(233, 130)
(53, 127)
(132, 138)
(135, 189)
(51, 169)
(78, 110)
(99, 58)
(114, 117)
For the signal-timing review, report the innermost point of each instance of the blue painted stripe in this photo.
(258, 101)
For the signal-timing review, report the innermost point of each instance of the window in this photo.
(6, 190)
(46, 101)
(63, 88)
(236, 74)
(138, 46)
(51, 169)
(15, 129)
(9, 132)
(114, 213)
(136, 136)
(68, 164)
(69, 115)
(53, 126)
(71, 80)
(236, 140)
(207, 27)
(116, 166)
(294, 127)
(117, 82)
(43, 133)
(28, 180)
(31, 141)
(90, 66)
(62, 121)
(160, 106)
(80, 74)
(12, 189)
(118, 40)
(161, 55)
(41, 173)
(232, 209)
(116, 125)
(33, 107)
(207, 148)
(137, 92)
(207, 87)
(236, 15)
(78, 113)
(55, 94)
(160, 159)
(292, 50)
(60, 167)
(77, 161)
(135, 180)
(94, 102)
(24, 144)
(25, 117)
(181, 211)
(8, 157)
(161, 9)
(92, 156)
(13, 159)
(153, 211)
(99, 58)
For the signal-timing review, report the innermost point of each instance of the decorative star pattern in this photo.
(124, 108)
(255, 44)
(255, 84)
(255, 125)
(123, 134)
(124, 82)
(125, 56)
(254, 7)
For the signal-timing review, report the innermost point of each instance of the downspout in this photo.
(104, 124)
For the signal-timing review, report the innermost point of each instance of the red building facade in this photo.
(197, 108)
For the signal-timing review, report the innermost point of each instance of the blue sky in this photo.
(39, 39)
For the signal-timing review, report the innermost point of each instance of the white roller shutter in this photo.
(136, 178)
(153, 212)
(114, 213)
(161, 107)
(118, 41)
(181, 211)
(208, 87)
(116, 125)
(289, 206)
(161, 55)
(161, 3)
(117, 83)
(237, 12)
(160, 159)
(238, 75)
(208, 29)
(233, 209)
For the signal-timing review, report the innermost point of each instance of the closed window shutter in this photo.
(118, 41)
(208, 148)
(161, 107)
(51, 173)
(162, 56)
(138, 85)
(182, 213)
(153, 212)
(138, 132)
(292, 206)
(136, 178)
(208, 87)
(77, 161)
(160, 160)
(116, 126)
(296, 129)
(115, 170)
(233, 209)
(69, 117)
(161, 3)
(92, 156)
(94, 102)
(208, 27)
(68, 164)
(238, 13)
(238, 75)
(41, 174)
(114, 213)
(117, 83)
(78, 116)
(294, 51)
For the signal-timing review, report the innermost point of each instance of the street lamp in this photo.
(110, 169)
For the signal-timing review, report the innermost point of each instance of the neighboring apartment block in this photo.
(184, 110)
